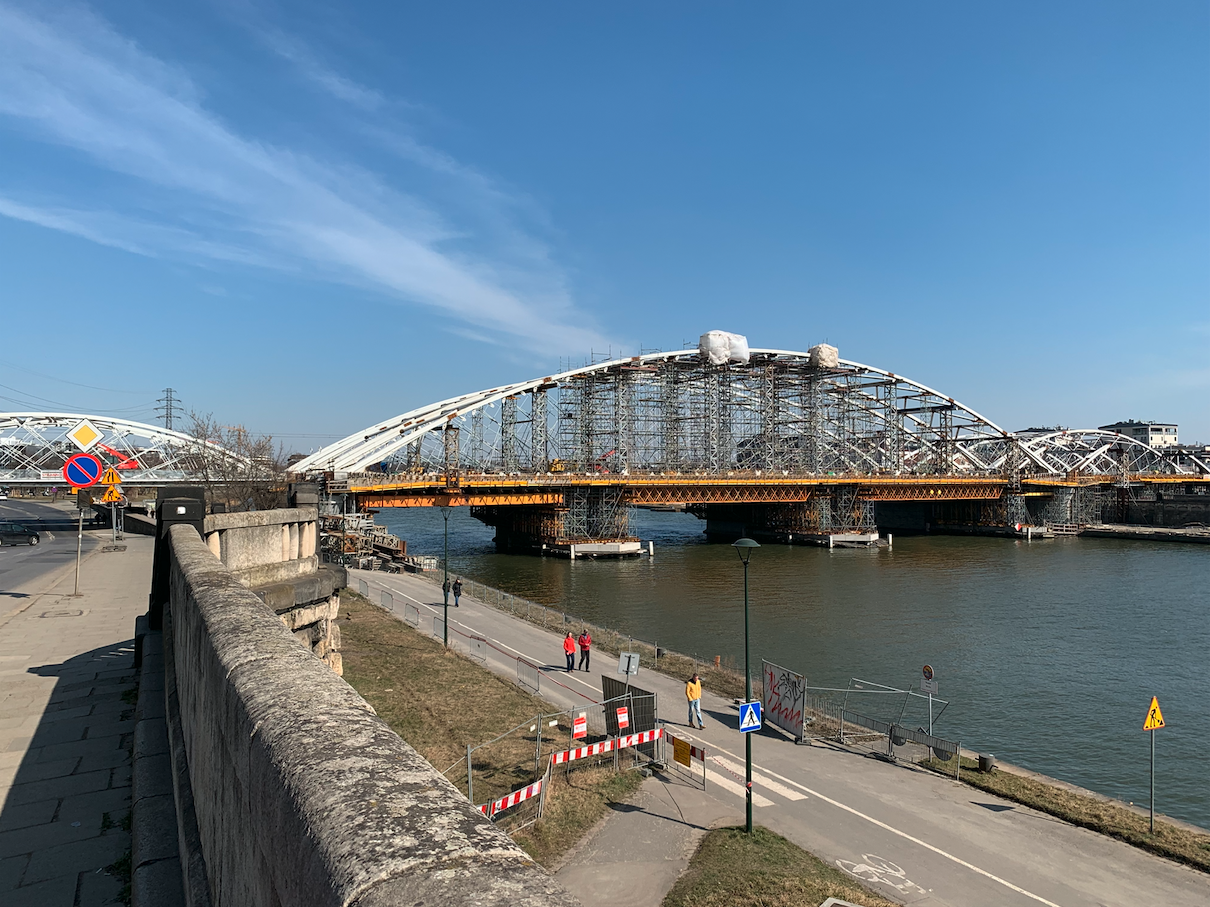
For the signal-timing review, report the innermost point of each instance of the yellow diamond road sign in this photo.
(111, 496)
(1155, 718)
(84, 435)
(111, 477)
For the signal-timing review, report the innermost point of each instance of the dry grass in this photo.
(575, 803)
(438, 701)
(1107, 818)
(734, 869)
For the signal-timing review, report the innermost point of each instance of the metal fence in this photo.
(528, 674)
(478, 647)
(386, 599)
(411, 614)
(363, 587)
(439, 627)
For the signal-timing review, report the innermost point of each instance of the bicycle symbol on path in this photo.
(877, 869)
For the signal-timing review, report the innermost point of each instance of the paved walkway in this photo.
(66, 719)
(917, 837)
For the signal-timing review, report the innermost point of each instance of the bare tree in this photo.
(241, 470)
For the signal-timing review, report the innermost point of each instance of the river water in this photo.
(1049, 651)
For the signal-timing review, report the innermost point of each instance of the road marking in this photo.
(878, 869)
(764, 782)
(903, 834)
(738, 790)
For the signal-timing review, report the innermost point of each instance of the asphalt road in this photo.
(23, 567)
(914, 836)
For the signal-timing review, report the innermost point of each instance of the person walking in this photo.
(569, 650)
(457, 590)
(445, 590)
(693, 692)
(585, 643)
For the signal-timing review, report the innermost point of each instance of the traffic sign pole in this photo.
(1153, 782)
(79, 545)
(1155, 721)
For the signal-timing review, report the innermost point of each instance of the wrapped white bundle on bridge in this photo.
(823, 356)
(721, 347)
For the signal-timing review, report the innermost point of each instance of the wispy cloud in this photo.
(340, 87)
(208, 193)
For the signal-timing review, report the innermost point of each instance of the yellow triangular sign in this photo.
(111, 477)
(111, 496)
(1155, 718)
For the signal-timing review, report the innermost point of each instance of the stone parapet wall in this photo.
(303, 796)
(308, 607)
(262, 547)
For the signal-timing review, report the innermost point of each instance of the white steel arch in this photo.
(35, 445)
(777, 411)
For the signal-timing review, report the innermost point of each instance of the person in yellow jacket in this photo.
(693, 692)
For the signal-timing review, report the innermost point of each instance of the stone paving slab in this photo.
(67, 728)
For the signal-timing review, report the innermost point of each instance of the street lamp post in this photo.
(744, 548)
(445, 585)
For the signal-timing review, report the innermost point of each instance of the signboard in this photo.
(112, 495)
(579, 726)
(111, 477)
(680, 751)
(1155, 718)
(749, 717)
(623, 717)
(82, 470)
(84, 435)
(783, 698)
(928, 686)
(928, 672)
(84, 500)
(628, 663)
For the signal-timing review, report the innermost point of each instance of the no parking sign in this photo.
(82, 470)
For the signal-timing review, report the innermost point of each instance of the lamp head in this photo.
(744, 547)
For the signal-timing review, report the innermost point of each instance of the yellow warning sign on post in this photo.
(112, 495)
(111, 477)
(1155, 718)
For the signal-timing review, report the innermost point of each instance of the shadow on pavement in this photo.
(65, 819)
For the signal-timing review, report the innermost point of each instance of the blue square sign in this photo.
(749, 717)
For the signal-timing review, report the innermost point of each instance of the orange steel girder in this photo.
(443, 496)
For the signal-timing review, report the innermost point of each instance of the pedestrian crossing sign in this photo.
(749, 717)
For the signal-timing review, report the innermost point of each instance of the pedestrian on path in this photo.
(569, 650)
(693, 692)
(457, 590)
(585, 642)
(445, 590)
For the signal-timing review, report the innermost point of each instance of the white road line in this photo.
(761, 779)
(903, 834)
(737, 789)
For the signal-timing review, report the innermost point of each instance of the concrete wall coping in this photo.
(304, 796)
(218, 522)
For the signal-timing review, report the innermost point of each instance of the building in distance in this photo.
(1153, 434)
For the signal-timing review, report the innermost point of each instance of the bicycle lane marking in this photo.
(903, 834)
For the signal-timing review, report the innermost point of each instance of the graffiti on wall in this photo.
(784, 698)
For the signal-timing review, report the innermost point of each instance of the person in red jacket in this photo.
(569, 649)
(585, 642)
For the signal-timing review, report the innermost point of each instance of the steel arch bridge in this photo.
(34, 447)
(785, 427)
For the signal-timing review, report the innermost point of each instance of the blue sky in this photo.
(306, 218)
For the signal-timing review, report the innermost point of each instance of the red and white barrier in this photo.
(582, 752)
(641, 737)
(508, 800)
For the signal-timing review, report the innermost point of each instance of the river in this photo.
(1048, 651)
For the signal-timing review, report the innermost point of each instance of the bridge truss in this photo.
(34, 447)
(818, 444)
(669, 413)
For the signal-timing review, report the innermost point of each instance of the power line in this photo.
(170, 405)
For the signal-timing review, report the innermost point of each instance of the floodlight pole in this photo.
(744, 548)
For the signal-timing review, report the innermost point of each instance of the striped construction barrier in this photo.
(606, 746)
(509, 800)
(640, 738)
(583, 752)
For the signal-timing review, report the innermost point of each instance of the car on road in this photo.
(16, 534)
